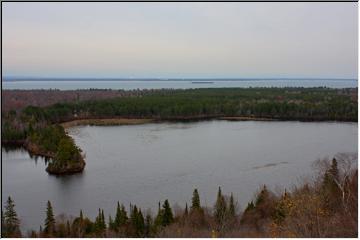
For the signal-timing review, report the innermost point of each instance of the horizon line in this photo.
(29, 78)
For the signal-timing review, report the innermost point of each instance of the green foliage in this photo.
(195, 200)
(220, 208)
(49, 220)
(100, 225)
(9, 220)
(167, 216)
(121, 217)
(186, 211)
(137, 221)
(231, 209)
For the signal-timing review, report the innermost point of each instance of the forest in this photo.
(37, 128)
(323, 207)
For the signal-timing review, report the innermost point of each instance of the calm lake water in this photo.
(144, 164)
(130, 85)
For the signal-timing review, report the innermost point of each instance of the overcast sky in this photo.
(180, 40)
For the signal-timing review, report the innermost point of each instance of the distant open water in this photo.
(135, 84)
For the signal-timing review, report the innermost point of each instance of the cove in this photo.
(144, 164)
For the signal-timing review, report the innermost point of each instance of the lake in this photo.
(146, 84)
(144, 164)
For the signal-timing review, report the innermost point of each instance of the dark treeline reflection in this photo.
(324, 207)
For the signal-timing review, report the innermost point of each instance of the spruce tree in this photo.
(263, 196)
(158, 220)
(334, 171)
(195, 200)
(103, 223)
(231, 210)
(167, 217)
(117, 216)
(220, 208)
(120, 217)
(137, 221)
(100, 225)
(11, 220)
(148, 225)
(140, 223)
(111, 223)
(186, 212)
(50, 220)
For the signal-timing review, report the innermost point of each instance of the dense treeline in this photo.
(326, 207)
(32, 125)
(278, 103)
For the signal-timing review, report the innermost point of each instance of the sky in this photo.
(180, 40)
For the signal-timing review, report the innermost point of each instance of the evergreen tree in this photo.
(195, 200)
(263, 196)
(249, 207)
(79, 228)
(167, 217)
(137, 221)
(330, 189)
(120, 217)
(11, 220)
(148, 225)
(99, 224)
(50, 220)
(103, 223)
(186, 212)
(140, 223)
(159, 217)
(111, 223)
(231, 210)
(220, 208)
(334, 171)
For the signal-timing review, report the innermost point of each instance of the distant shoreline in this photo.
(140, 121)
(172, 79)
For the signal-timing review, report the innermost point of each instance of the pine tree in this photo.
(195, 200)
(263, 196)
(249, 207)
(120, 217)
(186, 212)
(111, 223)
(103, 223)
(167, 217)
(50, 220)
(140, 223)
(220, 209)
(148, 225)
(331, 192)
(100, 225)
(137, 221)
(11, 220)
(159, 217)
(334, 171)
(231, 210)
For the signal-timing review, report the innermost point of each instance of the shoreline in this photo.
(139, 121)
